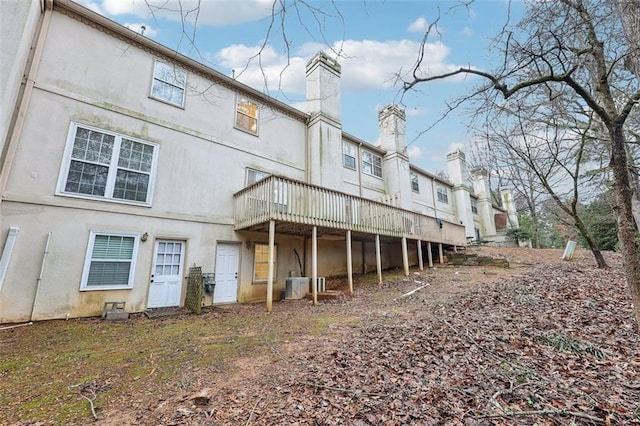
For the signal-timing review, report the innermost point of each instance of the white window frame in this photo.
(350, 153)
(368, 162)
(415, 184)
(275, 262)
(177, 82)
(241, 114)
(474, 206)
(89, 259)
(113, 167)
(255, 175)
(443, 194)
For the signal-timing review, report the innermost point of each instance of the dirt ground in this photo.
(543, 342)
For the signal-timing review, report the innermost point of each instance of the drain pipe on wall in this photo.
(15, 129)
(44, 261)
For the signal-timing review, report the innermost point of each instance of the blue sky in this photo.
(376, 39)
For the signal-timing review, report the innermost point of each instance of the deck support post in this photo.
(440, 253)
(429, 254)
(405, 257)
(420, 262)
(314, 264)
(349, 263)
(378, 261)
(272, 238)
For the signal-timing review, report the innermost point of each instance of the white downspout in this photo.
(44, 262)
(16, 133)
(6, 253)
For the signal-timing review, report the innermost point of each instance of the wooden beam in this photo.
(420, 262)
(429, 254)
(440, 253)
(378, 261)
(314, 264)
(272, 238)
(405, 257)
(349, 266)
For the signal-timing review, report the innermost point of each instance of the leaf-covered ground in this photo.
(545, 342)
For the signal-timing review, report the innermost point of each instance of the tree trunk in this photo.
(626, 228)
(593, 245)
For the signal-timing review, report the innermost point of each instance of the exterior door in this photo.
(226, 289)
(166, 279)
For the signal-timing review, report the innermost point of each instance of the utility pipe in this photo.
(18, 125)
(39, 281)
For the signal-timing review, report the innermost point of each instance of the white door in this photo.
(166, 278)
(226, 289)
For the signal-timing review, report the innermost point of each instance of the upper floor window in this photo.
(254, 176)
(443, 194)
(110, 262)
(371, 164)
(169, 83)
(349, 155)
(415, 186)
(474, 206)
(106, 165)
(247, 115)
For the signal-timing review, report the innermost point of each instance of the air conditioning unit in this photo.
(296, 287)
(322, 285)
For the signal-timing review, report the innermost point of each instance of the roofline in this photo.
(362, 142)
(429, 174)
(154, 46)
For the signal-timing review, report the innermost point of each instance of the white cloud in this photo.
(467, 31)
(418, 26)
(91, 5)
(212, 12)
(415, 152)
(137, 27)
(366, 64)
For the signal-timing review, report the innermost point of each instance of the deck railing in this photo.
(292, 201)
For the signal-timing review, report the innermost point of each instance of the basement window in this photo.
(261, 262)
(110, 262)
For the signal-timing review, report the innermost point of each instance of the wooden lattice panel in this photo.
(193, 300)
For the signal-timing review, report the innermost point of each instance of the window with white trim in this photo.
(247, 115)
(443, 194)
(415, 186)
(106, 165)
(371, 164)
(110, 262)
(169, 83)
(261, 262)
(474, 206)
(254, 176)
(349, 152)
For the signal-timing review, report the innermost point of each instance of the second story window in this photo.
(169, 83)
(349, 155)
(415, 186)
(443, 195)
(474, 207)
(254, 176)
(247, 116)
(371, 164)
(106, 165)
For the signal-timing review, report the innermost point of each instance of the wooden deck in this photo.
(298, 206)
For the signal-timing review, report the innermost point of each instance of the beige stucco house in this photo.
(124, 163)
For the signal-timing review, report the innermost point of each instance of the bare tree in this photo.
(573, 49)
